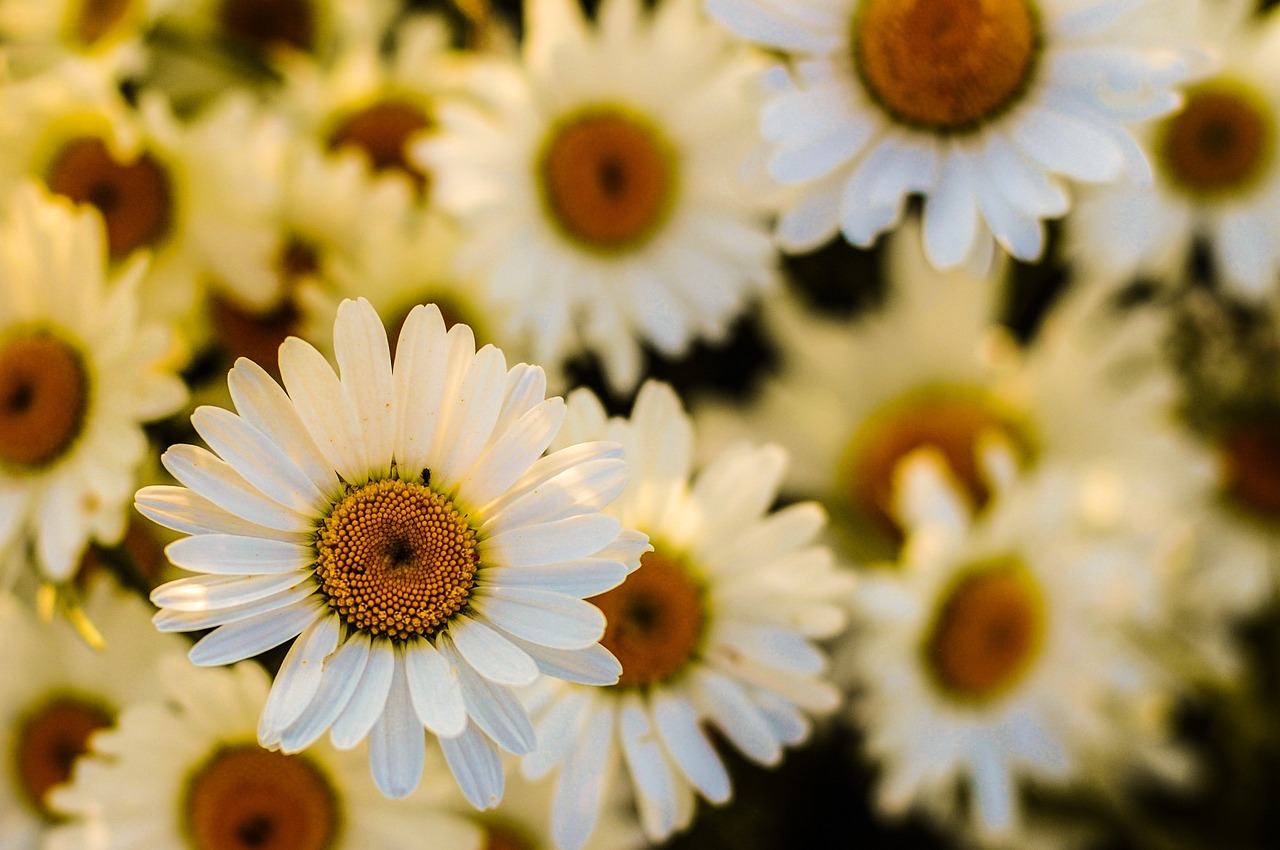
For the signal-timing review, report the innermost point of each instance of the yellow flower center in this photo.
(48, 744)
(1249, 463)
(945, 65)
(248, 798)
(654, 620)
(134, 197)
(607, 179)
(988, 630)
(396, 559)
(950, 419)
(92, 20)
(44, 396)
(267, 24)
(383, 131)
(1221, 141)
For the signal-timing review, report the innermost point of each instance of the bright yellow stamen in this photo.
(945, 65)
(396, 558)
(654, 620)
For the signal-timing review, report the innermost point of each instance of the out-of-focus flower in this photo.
(714, 627)
(39, 34)
(79, 375)
(58, 691)
(1217, 173)
(599, 192)
(183, 768)
(983, 108)
(399, 523)
(521, 822)
(999, 651)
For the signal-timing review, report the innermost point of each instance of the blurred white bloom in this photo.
(999, 652)
(599, 191)
(714, 627)
(401, 524)
(39, 34)
(79, 375)
(521, 822)
(184, 769)
(58, 691)
(983, 108)
(1217, 174)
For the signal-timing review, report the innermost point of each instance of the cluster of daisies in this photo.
(363, 483)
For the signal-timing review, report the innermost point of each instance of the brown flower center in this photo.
(266, 24)
(507, 837)
(383, 131)
(608, 179)
(44, 396)
(248, 798)
(94, 19)
(257, 335)
(134, 197)
(945, 65)
(654, 620)
(951, 419)
(50, 741)
(396, 558)
(1249, 460)
(988, 630)
(1221, 141)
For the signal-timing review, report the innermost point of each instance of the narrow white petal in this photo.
(255, 635)
(204, 593)
(993, 788)
(397, 745)
(420, 377)
(1067, 145)
(647, 762)
(370, 698)
(583, 578)
(433, 685)
(494, 708)
(550, 542)
(557, 731)
(298, 680)
(677, 722)
(190, 513)
(547, 619)
(951, 214)
(364, 359)
(581, 788)
(729, 707)
(325, 408)
(547, 468)
(490, 654)
(594, 665)
(474, 412)
(341, 674)
(190, 621)
(215, 480)
(771, 645)
(227, 554)
(476, 766)
(257, 458)
(526, 388)
(502, 463)
(590, 486)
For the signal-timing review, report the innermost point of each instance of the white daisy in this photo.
(981, 106)
(183, 768)
(399, 523)
(999, 653)
(715, 627)
(1217, 174)
(79, 375)
(600, 189)
(42, 33)
(58, 691)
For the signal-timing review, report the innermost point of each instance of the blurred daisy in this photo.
(268, 28)
(187, 771)
(521, 822)
(601, 192)
(982, 107)
(58, 691)
(400, 524)
(1217, 173)
(42, 33)
(715, 626)
(998, 653)
(79, 375)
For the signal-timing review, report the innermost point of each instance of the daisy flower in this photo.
(600, 188)
(1217, 175)
(41, 33)
(58, 692)
(714, 627)
(400, 523)
(984, 107)
(270, 28)
(79, 375)
(187, 771)
(998, 653)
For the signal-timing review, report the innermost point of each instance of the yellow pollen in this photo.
(1249, 463)
(1221, 141)
(654, 620)
(48, 744)
(607, 179)
(383, 130)
(269, 24)
(396, 559)
(44, 396)
(945, 65)
(951, 419)
(96, 18)
(133, 197)
(988, 630)
(248, 798)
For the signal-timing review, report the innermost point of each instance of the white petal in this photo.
(370, 698)
(951, 214)
(190, 621)
(476, 766)
(255, 635)
(490, 654)
(258, 459)
(298, 680)
(325, 408)
(397, 746)
(583, 578)
(594, 665)
(204, 593)
(729, 707)
(227, 554)
(1067, 145)
(587, 487)
(434, 687)
(215, 480)
(580, 790)
(364, 358)
(558, 730)
(341, 674)
(647, 762)
(547, 619)
(550, 542)
(420, 376)
(183, 510)
(677, 723)
(493, 707)
(502, 463)
(473, 413)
